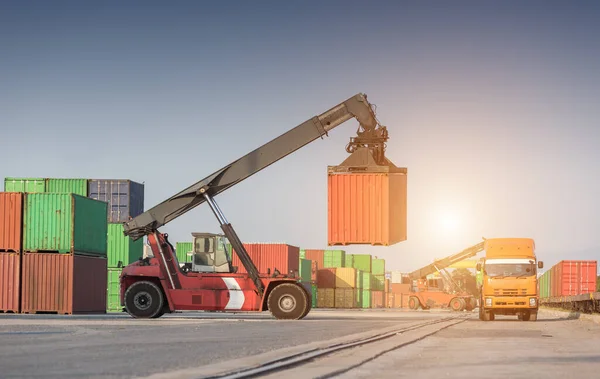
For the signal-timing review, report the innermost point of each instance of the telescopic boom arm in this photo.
(446, 262)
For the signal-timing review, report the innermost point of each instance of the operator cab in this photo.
(210, 253)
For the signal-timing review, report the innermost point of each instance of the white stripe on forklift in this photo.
(236, 295)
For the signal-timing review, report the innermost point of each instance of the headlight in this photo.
(488, 302)
(532, 302)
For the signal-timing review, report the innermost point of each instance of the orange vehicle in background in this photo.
(509, 279)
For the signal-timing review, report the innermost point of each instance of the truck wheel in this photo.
(413, 303)
(144, 300)
(488, 316)
(456, 304)
(533, 315)
(288, 302)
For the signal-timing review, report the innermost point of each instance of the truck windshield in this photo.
(509, 269)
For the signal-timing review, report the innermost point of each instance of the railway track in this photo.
(305, 357)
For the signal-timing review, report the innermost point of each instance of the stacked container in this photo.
(181, 251)
(11, 223)
(125, 200)
(270, 256)
(337, 287)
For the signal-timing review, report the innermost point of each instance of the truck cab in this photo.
(509, 279)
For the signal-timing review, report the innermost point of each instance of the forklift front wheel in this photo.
(288, 302)
(144, 300)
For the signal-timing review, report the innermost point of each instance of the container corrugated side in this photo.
(400, 288)
(314, 269)
(113, 291)
(314, 289)
(182, 249)
(280, 256)
(345, 298)
(378, 266)
(349, 261)
(125, 197)
(575, 277)
(345, 277)
(64, 223)
(305, 270)
(121, 248)
(377, 299)
(366, 299)
(366, 208)
(366, 281)
(326, 278)
(10, 282)
(325, 298)
(61, 185)
(377, 282)
(30, 185)
(254, 251)
(334, 258)
(63, 284)
(363, 262)
(11, 221)
(315, 255)
(302, 254)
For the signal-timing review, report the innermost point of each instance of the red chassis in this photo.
(148, 291)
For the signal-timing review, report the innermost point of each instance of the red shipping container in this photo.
(366, 208)
(400, 288)
(377, 299)
(315, 255)
(575, 277)
(10, 282)
(271, 256)
(63, 283)
(11, 221)
(326, 278)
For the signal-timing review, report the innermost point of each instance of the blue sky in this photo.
(491, 107)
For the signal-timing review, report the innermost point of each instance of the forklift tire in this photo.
(144, 300)
(457, 304)
(413, 303)
(288, 302)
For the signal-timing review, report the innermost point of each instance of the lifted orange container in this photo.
(366, 202)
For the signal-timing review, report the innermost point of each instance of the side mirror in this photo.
(478, 266)
(540, 264)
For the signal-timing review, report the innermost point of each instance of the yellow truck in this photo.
(509, 279)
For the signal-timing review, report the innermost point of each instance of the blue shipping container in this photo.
(125, 198)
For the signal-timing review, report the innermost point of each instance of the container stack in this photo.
(54, 247)
(569, 278)
(337, 288)
(268, 257)
(184, 252)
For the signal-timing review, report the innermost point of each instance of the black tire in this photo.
(144, 300)
(288, 301)
(413, 303)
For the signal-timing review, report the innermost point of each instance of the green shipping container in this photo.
(314, 295)
(366, 281)
(302, 254)
(378, 267)
(359, 293)
(121, 248)
(378, 283)
(366, 299)
(30, 185)
(334, 258)
(76, 186)
(305, 270)
(65, 223)
(359, 279)
(181, 250)
(363, 262)
(349, 261)
(113, 293)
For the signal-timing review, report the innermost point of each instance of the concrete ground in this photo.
(190, 344)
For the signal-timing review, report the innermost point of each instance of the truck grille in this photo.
(510, 292)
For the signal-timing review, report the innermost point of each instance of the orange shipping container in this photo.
(11, 221)
(377, 299)
(10, 281)
(400, 288)
(366, 208)
(63, 283)
(315, 255)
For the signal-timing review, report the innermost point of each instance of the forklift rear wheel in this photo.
(457, 304)
(413, 303)
(144, 300)
(288, 302)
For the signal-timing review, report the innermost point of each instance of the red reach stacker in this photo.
(154, 286)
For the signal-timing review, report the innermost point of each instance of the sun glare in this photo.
(448, 221)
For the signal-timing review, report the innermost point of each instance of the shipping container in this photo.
(315, 255)
(302, 254)
(181, 251)
(314, 269)
(30, 185)
(366, 281)
(10, 282)
(377, 299)
(59, 185)
(325, 298)
(359, 279)
(575, 277)
(334, 258)
(345, 298)
(305, 268)
(64, 223)
(366, 299)
(125, 197)
(326, 278)
(377, 282)
(63, 284)
(378, 267)
(345, 277)
(349, 261)
(11, 221)
(362, 262)
(366, 208)
(314, 295)
(113, 293)
(358, 292)
(121, 248)
(400, 288)
(270, 256)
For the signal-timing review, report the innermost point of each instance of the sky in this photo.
(491, 107)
